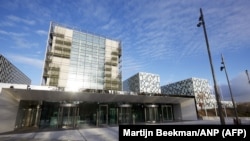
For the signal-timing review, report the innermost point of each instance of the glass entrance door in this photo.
(167, 113)
(151, 113)
(103, 114)
(68, 115)
(112, 116)
(124, 113)
(28, 117)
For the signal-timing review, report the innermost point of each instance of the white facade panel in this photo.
(143, 82)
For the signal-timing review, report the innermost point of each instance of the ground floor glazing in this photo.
(78, 114)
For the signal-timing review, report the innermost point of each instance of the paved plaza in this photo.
(92, 133)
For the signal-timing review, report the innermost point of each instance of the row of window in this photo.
(89, 47)
(81, 43)
(81, 64)
(80, 72)
(76, 52)
(88, 37)
(85, 77)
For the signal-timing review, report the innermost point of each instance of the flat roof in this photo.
(56, 96)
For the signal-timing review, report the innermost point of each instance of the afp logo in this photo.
(234, 133)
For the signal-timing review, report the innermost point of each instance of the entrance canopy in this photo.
(56, 96)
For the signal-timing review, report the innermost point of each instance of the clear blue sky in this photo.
(158, 36)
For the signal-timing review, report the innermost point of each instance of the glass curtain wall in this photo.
(87, 61)
(167, 113)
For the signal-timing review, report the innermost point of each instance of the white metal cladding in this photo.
(191, 86)
(143, 82)
(195, 87)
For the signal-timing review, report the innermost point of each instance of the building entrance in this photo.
(151, 113)
(28, 117)
(68, 115)
(103, 114)
(167, 113)
(124, 113)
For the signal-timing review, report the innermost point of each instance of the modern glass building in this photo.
(82, 87)
(11, 74)
(77, 60)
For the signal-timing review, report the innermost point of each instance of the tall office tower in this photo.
(11, 74)
(77, 60)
